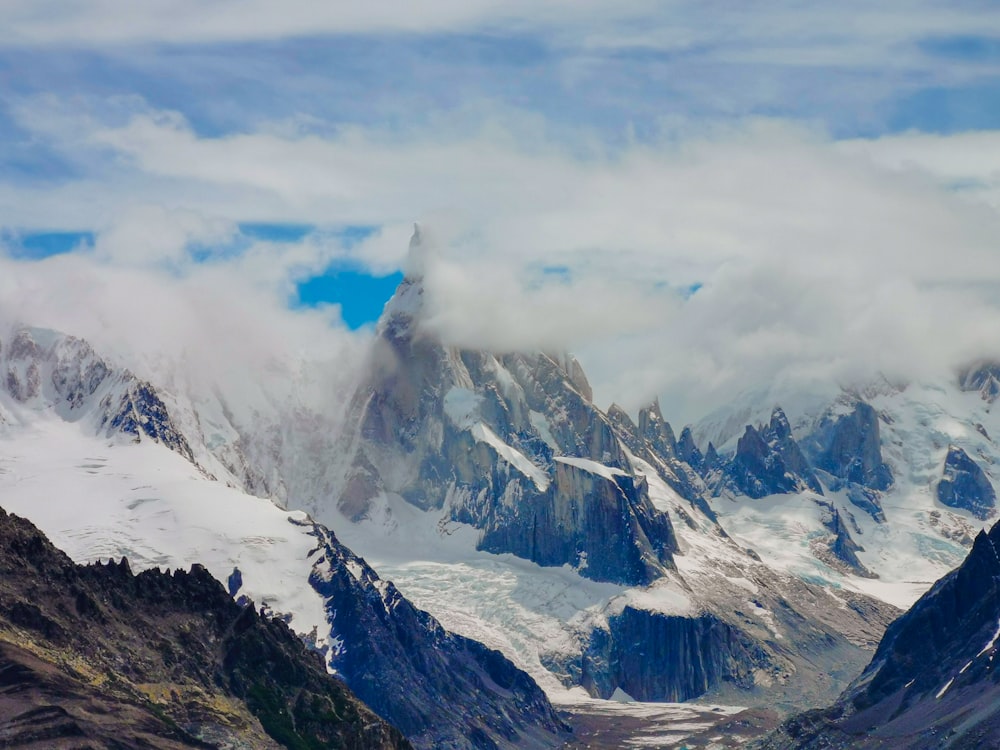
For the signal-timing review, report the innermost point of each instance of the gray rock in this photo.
(687, 450)
(655, 430)
(965, 485)
(659, 657)
(932, 682)
(840, 548)
(768, 461)
(442, 690)
(982, 376)
(479, 435)
(848, 446)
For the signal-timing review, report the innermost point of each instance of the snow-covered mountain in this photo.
(97, 460)
(756, 558)
(607, 567)
(903, 471)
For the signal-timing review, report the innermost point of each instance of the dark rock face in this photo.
(848, 446)
(932, 682)
(443, 690)
(655, 430)
(68, 373)
(481, 434)
(688, 452)
(658, 657)
(170, 659)
(140, 411)
(45, 706)
(778, 435)
(768, 461)
(653, 442)
(964, 485)
(636, 542)
(982, 376)
(757, 470)
(841, 549)
(778, 645)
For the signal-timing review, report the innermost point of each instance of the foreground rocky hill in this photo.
(95, 656)
(138, 486)
(933, 682)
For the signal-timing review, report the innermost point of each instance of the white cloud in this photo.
(153, 235)
(817, 259)
(965, 161)
(141, 298)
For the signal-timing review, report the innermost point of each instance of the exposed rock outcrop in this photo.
(965, 485)
(932, 682)
(848, 446)
(982, 376)
(659, 657)
(687, 450)
(509, 443)
(767, 461)
(839, 550)
(442, 690)
(67, 375)
(99, 657)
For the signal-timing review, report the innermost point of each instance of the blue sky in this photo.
(88, 96)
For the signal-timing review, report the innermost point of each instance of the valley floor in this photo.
(603, 725)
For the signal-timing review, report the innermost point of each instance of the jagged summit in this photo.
(402, 312)
(508, 443)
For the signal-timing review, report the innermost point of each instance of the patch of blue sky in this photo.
(963, 48)
(947, 110)
(688, 291)
(360, 294)
(39, 245)
(560, 273)
(275, 232)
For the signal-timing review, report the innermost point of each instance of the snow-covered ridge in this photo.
(512, 456)
(608, 472)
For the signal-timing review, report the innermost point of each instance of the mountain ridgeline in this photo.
(513, 445)
(933, 682)
(95, 656)
(693, 600)
(510, 444)
(442, 690)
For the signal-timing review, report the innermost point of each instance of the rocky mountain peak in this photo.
(656, 430)
(965, 485)
(779, 427)
(510, 443)
(932, 682)
(687, 450)
(848, 445)
(982, 376)
(101, 657)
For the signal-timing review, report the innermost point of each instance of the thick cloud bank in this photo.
(692, 264)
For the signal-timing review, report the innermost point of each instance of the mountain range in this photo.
(543, 552)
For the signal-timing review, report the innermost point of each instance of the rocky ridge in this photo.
(100, 656)
(933, 681)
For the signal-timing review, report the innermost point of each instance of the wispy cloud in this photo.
(816, 258)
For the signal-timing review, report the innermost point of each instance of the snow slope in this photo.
(99, 498)
(920, 539)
